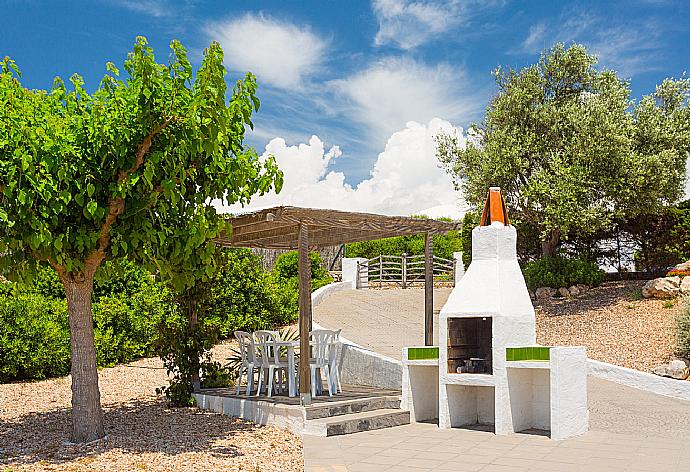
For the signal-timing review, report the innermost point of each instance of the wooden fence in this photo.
(403, 271)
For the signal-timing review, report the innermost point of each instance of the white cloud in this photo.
(155, 8)
(535, 39)
(393, 91)
(279, 53)
(618, 44)
(406, 178)
(410, 23)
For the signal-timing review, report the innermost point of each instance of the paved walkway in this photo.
(630, 430)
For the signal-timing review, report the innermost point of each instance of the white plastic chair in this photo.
(335, 371)
(321, 341)
(271, 362)
(247, 353)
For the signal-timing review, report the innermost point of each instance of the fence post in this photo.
(455, 267)
(357, 284)
(404, 270)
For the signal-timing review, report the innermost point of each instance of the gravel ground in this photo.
(614, 324)
(142, 432)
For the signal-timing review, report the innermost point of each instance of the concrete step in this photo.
(347, 407)
(357, 422)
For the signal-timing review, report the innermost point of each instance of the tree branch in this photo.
(116, 206)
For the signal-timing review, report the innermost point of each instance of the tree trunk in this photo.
(551, 243)
(87, 416)
(193, 321)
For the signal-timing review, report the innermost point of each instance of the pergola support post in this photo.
(304, 314)
(428, 289)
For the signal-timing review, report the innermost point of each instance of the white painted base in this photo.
(288, 417)
(420, 389)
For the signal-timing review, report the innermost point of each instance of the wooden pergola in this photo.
(286, 227)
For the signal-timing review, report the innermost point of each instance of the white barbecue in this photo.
(490, 370)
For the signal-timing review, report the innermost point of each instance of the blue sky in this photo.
(351, 72)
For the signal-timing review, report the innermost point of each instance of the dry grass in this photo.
(143, 433)
(614, 323)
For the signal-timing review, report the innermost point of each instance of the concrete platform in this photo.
(356, 409)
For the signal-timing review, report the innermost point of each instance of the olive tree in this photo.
(128, 171)
(570, 149)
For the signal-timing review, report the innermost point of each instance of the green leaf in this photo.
(91, 207)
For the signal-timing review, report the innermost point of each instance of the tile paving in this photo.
(630, 430)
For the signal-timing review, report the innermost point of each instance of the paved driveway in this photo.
(630, 430)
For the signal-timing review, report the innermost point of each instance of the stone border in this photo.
(640, 380)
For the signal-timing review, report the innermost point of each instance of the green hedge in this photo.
(557, 272)
(34, 337)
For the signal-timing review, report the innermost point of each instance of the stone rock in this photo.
(544, 292)
(531, 294)
(564, 292)
(676, 369)
(685, 285)
(663, 287)
(574, 291)
(583, 288)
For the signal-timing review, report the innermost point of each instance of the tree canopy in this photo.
(570, 149)
(128, 171)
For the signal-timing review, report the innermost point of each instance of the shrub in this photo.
(287, 266)
(683, 331)
(34, 337)
(126, 327)
(664, 238)
(559, 272)
(121, 278)
(241, 296)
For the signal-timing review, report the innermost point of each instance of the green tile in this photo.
(422, 353)
(529, 353)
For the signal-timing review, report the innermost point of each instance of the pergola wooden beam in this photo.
(303, 228)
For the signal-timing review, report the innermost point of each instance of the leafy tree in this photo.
(126, 172)
(569, 148)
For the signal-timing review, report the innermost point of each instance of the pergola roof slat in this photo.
(278, 227)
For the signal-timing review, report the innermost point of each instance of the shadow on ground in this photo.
(135, 427)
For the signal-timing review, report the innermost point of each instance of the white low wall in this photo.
(640, 380)
(320, 294)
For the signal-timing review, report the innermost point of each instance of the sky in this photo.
(353, 92)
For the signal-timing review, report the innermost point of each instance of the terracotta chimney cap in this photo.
(494, 209)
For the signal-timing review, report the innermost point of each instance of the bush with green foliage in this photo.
(34, 336)
(242, 296)
(125, 327)
(286, 270)
(558, 271)
(683, 331)
(665, 238)
(185, 347)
